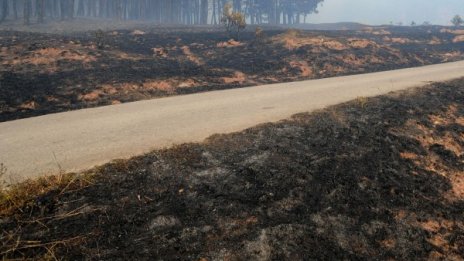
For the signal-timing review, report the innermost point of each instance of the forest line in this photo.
(188, 12)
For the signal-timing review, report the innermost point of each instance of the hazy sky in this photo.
(384, 11)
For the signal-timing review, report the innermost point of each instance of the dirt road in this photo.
(78, 140)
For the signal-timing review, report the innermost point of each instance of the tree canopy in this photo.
(457, 20)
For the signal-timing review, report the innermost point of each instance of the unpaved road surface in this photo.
(78, 140)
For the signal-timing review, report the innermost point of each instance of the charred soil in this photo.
(378, 177)
(44, 73)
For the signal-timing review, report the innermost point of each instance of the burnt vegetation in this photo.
(378, 178)
(375, 178)
(43, 73)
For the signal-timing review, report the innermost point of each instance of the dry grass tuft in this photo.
(362, 101)
(18, 197)
(16, 245)
(20, 201)
(3, 171)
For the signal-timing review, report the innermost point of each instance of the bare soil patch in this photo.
(61, 72)
(374, 178)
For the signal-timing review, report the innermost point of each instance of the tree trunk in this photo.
(3, 10)
(204, 11)
(63, 7)
(15, 10)
(40, 11)
(27, 11)
(80, 8)
(71, 9)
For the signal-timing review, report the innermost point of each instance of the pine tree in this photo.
(457, 20)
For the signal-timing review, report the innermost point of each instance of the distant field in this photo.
(375, 178)
(64, 69)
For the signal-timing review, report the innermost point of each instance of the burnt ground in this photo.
(44, 73)
(375, 178)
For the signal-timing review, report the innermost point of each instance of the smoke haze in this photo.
(386, 11)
